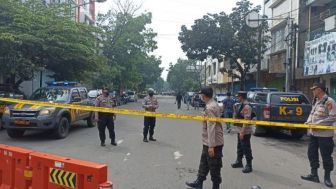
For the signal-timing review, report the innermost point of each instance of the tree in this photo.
(226, 37)
(127, 43)
(35, 36)
(181, 79)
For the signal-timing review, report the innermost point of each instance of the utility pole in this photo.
(288, 63)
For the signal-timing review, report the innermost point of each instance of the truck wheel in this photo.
(298, 133)
(62, 129)
(90, 120)
(14, 133)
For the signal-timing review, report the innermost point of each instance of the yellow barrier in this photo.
(165, 115)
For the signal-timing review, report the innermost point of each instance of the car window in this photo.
(83, 93)
(51, 94)
(289, 99)
(250, 97)
(74, 94)
(260, 98)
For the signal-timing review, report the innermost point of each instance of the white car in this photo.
(219, 99)
(132, 96)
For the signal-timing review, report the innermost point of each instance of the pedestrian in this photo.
(150, 104)
(323, 113)
(243, 110)
(213, 141)
(228, 109)
(188, 101)
(105, 119)
(197, 101)
(179, 100)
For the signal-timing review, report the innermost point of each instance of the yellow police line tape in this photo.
(165, 115)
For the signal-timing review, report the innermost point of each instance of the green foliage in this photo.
(34, 36)
(181, 79)
(222, 35)
(127, 44)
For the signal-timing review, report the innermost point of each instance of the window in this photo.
(278, 40)
(261, 98)
(214, 65)
(83, 93)
(75, 94)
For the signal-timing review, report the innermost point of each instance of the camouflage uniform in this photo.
(105, 119)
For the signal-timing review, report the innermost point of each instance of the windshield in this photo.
(51, 94)
(130, 93)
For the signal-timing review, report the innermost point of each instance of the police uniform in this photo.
(323, 113)
(105, 119)
(243, 110)
(150, 104)
(212, 137)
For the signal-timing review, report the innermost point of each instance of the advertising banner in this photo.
(320, 55)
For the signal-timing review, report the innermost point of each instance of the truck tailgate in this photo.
(290, 113)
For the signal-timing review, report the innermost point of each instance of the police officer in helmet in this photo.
(150, 104)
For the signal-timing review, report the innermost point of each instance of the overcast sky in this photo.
(170, 15)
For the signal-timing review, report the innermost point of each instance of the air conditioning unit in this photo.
(330, 24)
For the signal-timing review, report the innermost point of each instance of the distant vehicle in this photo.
(188, 95)
(197, 101)
(219, 99)
(93, 94)
(280, 107)
(18, 118)
(132, 96)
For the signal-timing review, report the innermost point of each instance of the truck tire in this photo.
(90, 120)
(298, 133)
(63, 127)
(15, 133)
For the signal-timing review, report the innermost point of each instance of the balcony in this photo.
(317, 3)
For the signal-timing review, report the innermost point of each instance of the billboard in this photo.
(320, 55)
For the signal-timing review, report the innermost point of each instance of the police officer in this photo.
(105, 119)
(323, 113)
(243, 110)
(213, 141)
(150, 104)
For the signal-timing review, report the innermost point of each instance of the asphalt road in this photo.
(173, 159)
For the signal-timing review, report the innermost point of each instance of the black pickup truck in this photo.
(292, 107)
(18, 118)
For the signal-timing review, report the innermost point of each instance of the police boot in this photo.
(313, 176)
(151, 138)
(145, 139)
(327, 180)
(237, 164)
(197, 184)
(215, 186)
(248, 167)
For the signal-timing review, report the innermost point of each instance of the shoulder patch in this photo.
(329, 105)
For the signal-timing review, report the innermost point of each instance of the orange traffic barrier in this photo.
(55, 172)
(15, 171)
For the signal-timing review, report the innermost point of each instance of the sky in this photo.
(169, 16)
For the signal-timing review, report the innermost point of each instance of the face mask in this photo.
(106, 93)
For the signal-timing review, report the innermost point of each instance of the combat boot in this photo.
(248, 168)
(197, 184)
(151, 138)
(237, 164)
(313, 176)
(327, 180)
(145, 139)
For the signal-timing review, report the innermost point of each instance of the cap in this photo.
(318, 85)
(241, 93)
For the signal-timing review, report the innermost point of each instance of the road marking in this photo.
(177, 155)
